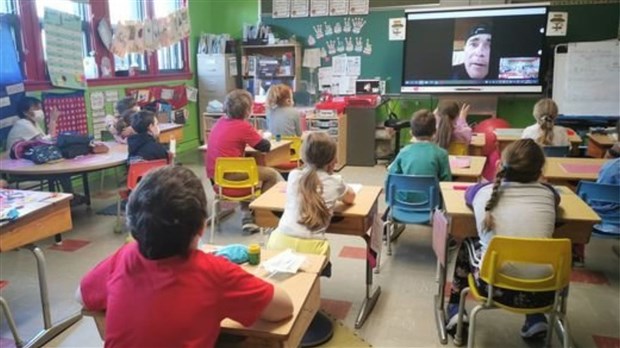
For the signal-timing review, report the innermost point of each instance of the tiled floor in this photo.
(403, 316)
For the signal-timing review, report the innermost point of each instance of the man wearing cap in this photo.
(477, 53)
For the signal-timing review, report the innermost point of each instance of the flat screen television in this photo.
(492, 49)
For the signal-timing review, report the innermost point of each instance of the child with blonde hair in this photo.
(282, 118)
(545, 132)
(499, 208)
(312, 193)
(452, 124)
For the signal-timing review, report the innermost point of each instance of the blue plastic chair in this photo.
(602, 196)
(411, 199)
(556, 151)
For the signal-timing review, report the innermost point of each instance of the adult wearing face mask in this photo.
(28, 126)
(477, 53)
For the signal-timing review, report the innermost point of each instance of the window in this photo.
(169, 58)
(124, 10)
(8, 15)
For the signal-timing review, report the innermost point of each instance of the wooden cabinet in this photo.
(263, 65)
(215, 79)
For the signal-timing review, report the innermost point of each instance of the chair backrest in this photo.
(246, 166)
(593, 192)
(556, 151)
(295, 148)
(412, 193)
(139, 169)
(458, 149)
(552, 252)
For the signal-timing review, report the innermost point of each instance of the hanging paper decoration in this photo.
(72, 108)
(63, 39)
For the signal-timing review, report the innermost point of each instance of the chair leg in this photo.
(390, 230)
(11, 322)
(213, 217)
(118, 228)
(472, 326)
(458, 338)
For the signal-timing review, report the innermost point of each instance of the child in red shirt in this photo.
(162, 291)
(229, 137)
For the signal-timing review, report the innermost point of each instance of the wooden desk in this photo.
(44, 214)
(506, 136)
(353, 220)
(280, 152)
(575, 221)
(169, 131)
(598, 144)
(476, 146)
(563, 169)
(471, 173)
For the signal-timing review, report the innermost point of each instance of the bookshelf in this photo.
(263, 65)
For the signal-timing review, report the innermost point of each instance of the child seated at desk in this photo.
(500, 208)
(311, 195)
(164, 292)
(282, 118)
(452, 127)
(229, 137)
(545, 132)
(143, 145)
(119, 125)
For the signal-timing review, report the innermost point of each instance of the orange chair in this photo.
(295, 159)
(136, 171)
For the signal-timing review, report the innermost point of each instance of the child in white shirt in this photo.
(545, 132)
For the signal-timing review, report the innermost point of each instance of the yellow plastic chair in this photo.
(295, 159)
(552, 253)
(237, 190)
(458, 149)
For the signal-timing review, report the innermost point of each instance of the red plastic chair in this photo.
(136, 171)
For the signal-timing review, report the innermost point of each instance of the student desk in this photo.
(81, 165)
(168, 131)
(575, 221)
(505, 136)
(598, 144)
(354, 220)
(279, 153)
(42, 214)
(559, 170)
(472, 172)
(476, 146)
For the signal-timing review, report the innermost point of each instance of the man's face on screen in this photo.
(477, 53)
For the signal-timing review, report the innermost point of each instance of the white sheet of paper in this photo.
(338, 7)
(97, 100)
(285, 262)
(16, 88)
(319, 8)
(299, 8)
(312, 58)
(192, 93)
(325, 76)
(111, 96)
(280, 8)
(339, 65)
(167, 93)
(358, 7)
(354, 66)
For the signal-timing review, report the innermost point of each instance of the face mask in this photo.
(136, 108)
(38, 115)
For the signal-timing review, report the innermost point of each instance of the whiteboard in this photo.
(586, 79)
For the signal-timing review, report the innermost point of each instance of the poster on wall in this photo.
(299, 8)
(280, 8)
(319, 8)
(338, 7)
(63, 42)
(358, 7)
(397, 29)
(557, 22)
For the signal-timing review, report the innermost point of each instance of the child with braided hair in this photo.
(499, 208)
(545, 132)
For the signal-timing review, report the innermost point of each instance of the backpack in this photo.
(42, 154)
(73, 145)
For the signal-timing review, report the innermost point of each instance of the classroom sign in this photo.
(63, 46)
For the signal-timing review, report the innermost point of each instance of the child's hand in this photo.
(54, 115)
(464, 112)
(127, 131)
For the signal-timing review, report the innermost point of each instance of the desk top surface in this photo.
(602, 139)
(274, 146)
(167, 127)
(569, 168)
(478, 139)
(459, 167)
(115, 157)
(274, 199)
(572, 208)
(27, 202)
(514, 134)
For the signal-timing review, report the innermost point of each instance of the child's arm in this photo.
(349, 196)
(280, 307)
(255, 140)
(444, 167)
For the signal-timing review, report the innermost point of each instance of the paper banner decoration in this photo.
(72, 108)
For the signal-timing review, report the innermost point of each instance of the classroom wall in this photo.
(587, 21)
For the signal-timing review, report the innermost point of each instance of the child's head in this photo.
(145, 122)
(545, 113)
(127, 103)
(447, 111)
(318, 152)
(30, 108)
(522, 161)
(238, 104)
(166, 212)
(423, 124)
(124, 121)
(279, 95)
